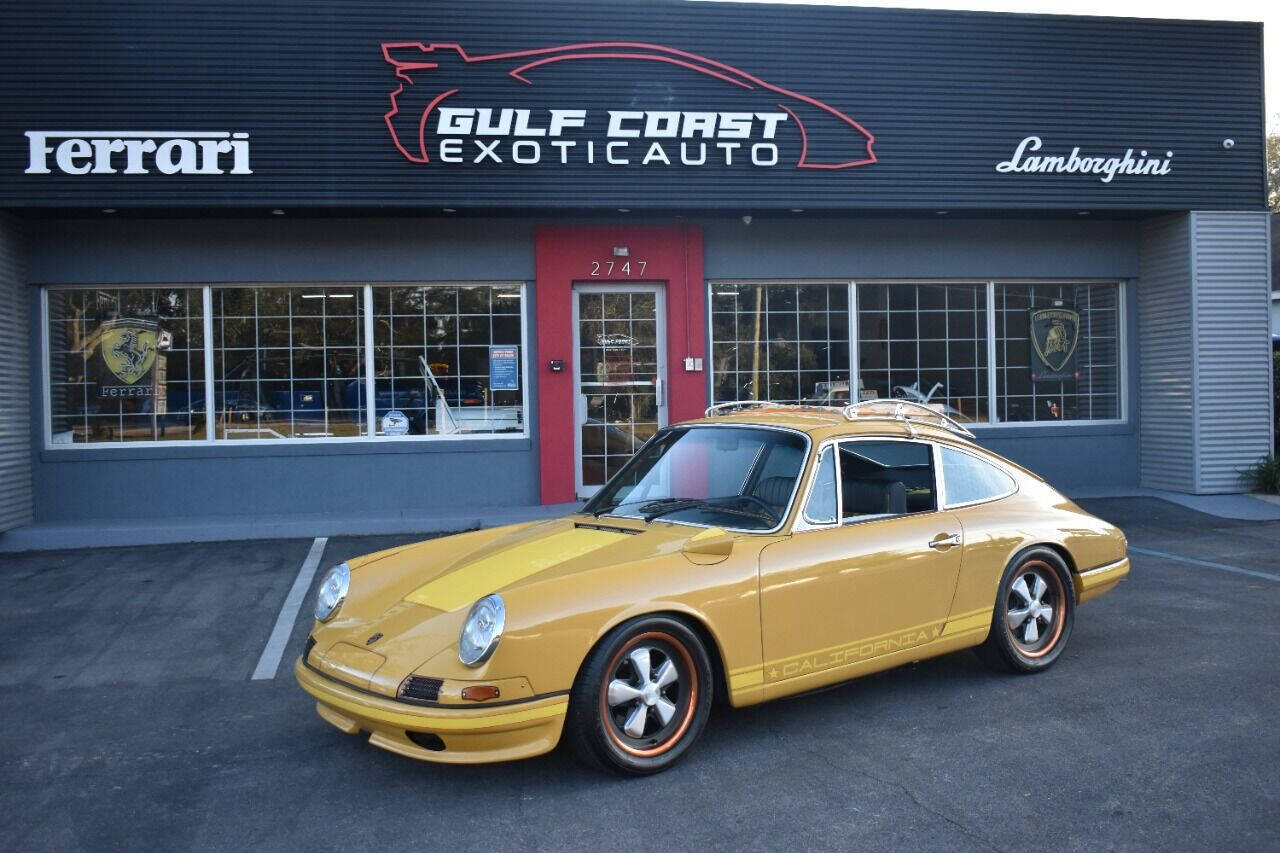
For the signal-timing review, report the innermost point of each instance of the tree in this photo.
(1273, 171)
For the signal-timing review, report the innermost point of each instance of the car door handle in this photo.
(945, 541)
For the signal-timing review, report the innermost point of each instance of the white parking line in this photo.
(1207, 563)
(274, 650)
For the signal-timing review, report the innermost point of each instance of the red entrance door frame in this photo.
(566, 255)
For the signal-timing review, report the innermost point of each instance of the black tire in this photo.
(1025, 648)
(596, 727)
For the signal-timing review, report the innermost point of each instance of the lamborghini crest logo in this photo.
(1055, 333)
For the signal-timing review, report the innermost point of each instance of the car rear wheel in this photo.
(642, 697)
(1035, 609)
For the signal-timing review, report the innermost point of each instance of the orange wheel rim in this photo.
(649, 696)
(1035, 609)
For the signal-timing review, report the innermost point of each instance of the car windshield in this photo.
(726, 476)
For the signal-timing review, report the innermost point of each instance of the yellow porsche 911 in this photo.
(756, 553)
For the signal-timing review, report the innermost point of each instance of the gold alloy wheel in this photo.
(1035, 611)
(650, 694)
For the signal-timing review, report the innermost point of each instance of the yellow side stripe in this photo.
(979, 619)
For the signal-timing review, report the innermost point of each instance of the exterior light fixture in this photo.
(277, 212)
(108, 210)
(624, 210)
(449, 209)
(621, 252)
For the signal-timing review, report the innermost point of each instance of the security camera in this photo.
(1228, 144)
(746, 220)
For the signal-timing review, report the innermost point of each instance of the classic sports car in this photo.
(756, 553)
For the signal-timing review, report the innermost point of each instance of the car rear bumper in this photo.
(465, 735)
(1094, 582)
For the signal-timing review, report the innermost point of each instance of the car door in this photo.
(867, 573)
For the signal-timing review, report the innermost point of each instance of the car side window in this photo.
(883, 478)
(821, 506)
(969, 479)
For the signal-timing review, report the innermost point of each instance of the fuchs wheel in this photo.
(1035, 609)
(642, 697)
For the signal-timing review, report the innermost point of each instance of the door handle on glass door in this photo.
(944, 541)
(658, 390)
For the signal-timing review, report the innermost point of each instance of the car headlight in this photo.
(482, 630)
(332, 592)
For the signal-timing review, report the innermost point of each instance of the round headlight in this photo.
(332, 592)
(482, 630)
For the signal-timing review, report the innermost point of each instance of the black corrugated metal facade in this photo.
(946, 96)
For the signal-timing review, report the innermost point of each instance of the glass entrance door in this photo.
(620, 373)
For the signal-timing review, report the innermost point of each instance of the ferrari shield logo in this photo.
(129, 354)
(129, 350)
(1054, 332)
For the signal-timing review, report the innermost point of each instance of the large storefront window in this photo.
(126, 365)
(927, 343)
(288, 362)
(1076, 326)
(448, 358)
(1057, 346)
(285, 362)
(780, 342)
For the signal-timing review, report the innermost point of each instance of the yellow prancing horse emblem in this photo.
(129, 351)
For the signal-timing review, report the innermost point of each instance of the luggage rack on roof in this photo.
(743, 405)
(906, 412)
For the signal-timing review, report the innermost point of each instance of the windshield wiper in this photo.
(662, 506)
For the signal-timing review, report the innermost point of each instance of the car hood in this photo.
(407, 604)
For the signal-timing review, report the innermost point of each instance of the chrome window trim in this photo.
(791, 502)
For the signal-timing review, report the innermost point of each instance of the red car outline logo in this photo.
(526, 60)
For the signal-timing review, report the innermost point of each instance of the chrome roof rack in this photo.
(738, 406)
(906, 412)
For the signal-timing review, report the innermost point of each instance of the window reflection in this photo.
(126, 364)
(447, 358)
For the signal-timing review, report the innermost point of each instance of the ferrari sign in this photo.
(127, 352)
(1055, 333)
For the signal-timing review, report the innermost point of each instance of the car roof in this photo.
(823, 422)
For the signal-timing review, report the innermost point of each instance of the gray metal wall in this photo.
(15, 369)
(1232, 287)
(1204, 349)
(1166, 342)
(365, 479)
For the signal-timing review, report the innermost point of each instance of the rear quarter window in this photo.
(969, 480)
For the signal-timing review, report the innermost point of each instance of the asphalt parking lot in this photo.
(131, 721)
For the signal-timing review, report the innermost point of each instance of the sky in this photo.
(1221, 10)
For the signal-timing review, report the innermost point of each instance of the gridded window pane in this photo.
(288, 362)
(780, 342)
(925, 342)
(447, 358)
(126, 364)
(1092, 390)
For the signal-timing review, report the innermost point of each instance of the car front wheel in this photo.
(642, 697)
(1035, 609)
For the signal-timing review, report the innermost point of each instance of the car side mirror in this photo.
(709, 546)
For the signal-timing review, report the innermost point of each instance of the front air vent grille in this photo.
(419, 688)
(306, 650)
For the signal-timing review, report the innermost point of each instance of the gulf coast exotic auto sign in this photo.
(451, 108)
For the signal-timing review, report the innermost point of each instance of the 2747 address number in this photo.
(611, 269)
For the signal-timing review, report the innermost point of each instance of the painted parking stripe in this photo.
(270, 660)
(1178, 558)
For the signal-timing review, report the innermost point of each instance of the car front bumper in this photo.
(478, 735)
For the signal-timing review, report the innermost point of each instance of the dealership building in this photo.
(332, 267)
